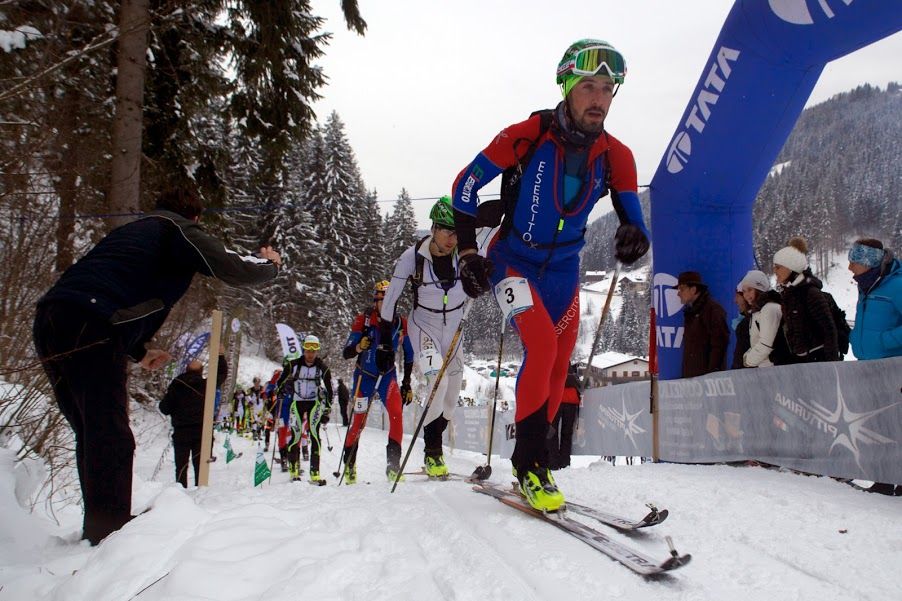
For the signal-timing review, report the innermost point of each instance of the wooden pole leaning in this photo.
(206, 440)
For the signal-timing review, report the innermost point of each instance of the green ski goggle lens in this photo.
(590, 61)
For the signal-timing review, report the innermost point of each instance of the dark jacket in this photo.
(135, 275)
(743, 341)
(343, 394)
(808, 320)
(291, 373)
(705, 336)
(184, 400)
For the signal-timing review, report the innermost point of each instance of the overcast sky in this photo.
(432, 82)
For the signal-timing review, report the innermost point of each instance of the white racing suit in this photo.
(431, 326)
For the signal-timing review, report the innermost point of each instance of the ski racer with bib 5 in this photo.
(373, 343)
(557, 164)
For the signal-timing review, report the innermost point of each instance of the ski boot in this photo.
(350, 476)
(294, 470)
(538, 487)
(283, 463)
(435, 467)
(315, 478)
(392, 473)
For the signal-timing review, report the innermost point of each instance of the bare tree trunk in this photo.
(125, 187)
(65, 185)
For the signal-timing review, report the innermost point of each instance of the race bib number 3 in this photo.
(513, 296)
(360, 404)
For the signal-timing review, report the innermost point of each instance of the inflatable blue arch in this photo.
(752, 89)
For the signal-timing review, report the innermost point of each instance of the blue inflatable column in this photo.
(752, 89)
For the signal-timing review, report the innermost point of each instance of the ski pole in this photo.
(484, 472)
(604, 313)
(328, 442)
(366, 415)
(445, 361)
(348, 431)
(275, 421)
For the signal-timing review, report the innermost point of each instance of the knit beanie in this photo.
(793, 256)
(757, 280)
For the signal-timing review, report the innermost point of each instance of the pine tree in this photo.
(400, 227)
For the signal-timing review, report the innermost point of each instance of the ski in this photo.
(653, 518)
(428, 478)
(632, 559)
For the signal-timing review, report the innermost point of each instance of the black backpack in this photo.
(842, 326)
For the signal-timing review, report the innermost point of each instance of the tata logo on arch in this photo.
(719, 72)
(798, 13)
(667, 304)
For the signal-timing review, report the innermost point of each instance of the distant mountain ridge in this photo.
(838, 176)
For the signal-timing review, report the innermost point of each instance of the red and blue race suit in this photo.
(540, 240)
(367, 375)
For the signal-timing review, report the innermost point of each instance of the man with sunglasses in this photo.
(557, 164)
(310, 381)
(430, 266)
(374, 345)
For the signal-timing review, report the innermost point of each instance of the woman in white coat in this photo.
(765, 332)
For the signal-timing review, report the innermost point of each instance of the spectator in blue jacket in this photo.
(878, 321)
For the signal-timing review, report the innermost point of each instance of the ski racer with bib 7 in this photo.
(374, 342)
(431, 267)
(557, 164)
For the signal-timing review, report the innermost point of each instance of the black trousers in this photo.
(87, 366)
(432, 436)
(313, 428)
(186, 445)
(343, 408)
(561, 442)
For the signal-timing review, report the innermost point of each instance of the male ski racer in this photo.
(438, 302)
(311, 382)
(374, 345)
(560, 163)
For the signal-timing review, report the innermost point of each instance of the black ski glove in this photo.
(630, 244)
(325, 418)
(474, 274)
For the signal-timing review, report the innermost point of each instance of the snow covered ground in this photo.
(754, 534)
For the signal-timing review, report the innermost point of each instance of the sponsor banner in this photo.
(840, 419)
(614, 420)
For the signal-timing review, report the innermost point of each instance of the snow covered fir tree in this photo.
(292, 121)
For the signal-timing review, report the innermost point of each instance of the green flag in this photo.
(261, 470)
(230, 454)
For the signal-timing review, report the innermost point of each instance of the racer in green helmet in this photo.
(442, 214)
(588, 58)
(444, 238)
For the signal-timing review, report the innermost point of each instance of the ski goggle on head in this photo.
(590, 61)
(311, 346)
